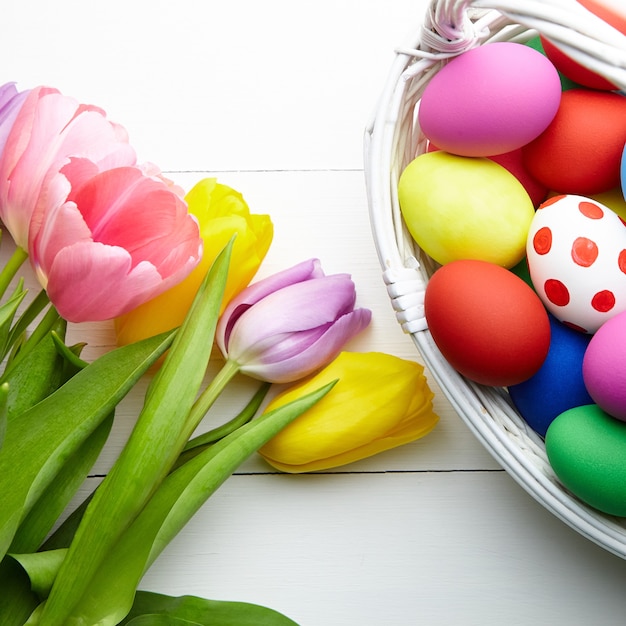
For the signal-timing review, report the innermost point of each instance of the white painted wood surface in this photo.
(273, 98)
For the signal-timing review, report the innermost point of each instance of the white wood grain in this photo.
(272, 98)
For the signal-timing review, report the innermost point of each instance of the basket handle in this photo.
(453, 26)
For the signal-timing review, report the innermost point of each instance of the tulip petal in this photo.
(10, 104)
(301, 272)
(282, 364)
(293, 308)
(93, 281)
(358, 418)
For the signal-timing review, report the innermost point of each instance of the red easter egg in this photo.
(514, 162)
(580, 152)
(612, 14)
(574, 70)
(487, 322)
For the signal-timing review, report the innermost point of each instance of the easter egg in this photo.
(514, 162)
(613, 12)
(576, 255)
(566, 83)
(623, 172)
(604, 367)
(586, 448)
(580, 150)
(614, 199)
(465, 208)
(558, 385)
(573, 70)
(489, 100)
(487, 322)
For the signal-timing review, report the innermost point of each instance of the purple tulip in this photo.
(10, 104)
(288, 325)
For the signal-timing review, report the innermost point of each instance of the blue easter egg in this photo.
(558, 385)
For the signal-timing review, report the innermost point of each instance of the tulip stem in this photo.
(208, 397)
(10, 269)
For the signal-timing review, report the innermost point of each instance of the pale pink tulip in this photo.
(290, 324)
(121, 238)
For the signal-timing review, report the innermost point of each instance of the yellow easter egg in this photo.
(459, 207)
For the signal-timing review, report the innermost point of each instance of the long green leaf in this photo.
(178, 498)
(200, 611)
(150, 452)
(4, 413)
(46, 511)
(36, 376)
(7, 312)
(37, 444)
(20, 327)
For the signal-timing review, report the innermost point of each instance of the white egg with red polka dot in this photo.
(576, 253)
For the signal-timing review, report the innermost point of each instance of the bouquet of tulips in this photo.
(110, 239)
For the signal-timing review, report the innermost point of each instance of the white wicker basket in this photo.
(393, 139)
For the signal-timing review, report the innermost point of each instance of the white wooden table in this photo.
(272, 97)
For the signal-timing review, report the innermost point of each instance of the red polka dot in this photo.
(556, 292)
(621, 261)
(603, 301)
(542, 241)
(591, 210)
(584, 252)
(550, 201)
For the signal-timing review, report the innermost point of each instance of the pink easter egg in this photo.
(604, 367)
(489, 100)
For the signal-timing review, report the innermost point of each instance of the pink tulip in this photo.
(290, 324)
(48, 134)
(121, 238)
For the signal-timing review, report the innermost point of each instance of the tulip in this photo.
(52, 139)
(121, 238)
(10, 104)
(221, 213)
(379, 402)
(288, 325)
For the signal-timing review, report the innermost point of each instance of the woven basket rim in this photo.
(392, 139)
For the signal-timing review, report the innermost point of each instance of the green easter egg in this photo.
(586, 448)
(459, 207)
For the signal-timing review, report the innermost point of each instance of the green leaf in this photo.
(150, 451)
(21, 326)
(46, 511)
(200, 611)
(37, 444)
(4, 417)
(41, 568)
(36, 376)
(174, 503)
(49, 321)
(17, 600)
(154, 619)
(198, 444)
(7, 313)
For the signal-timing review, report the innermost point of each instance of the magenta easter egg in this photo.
(604, 367)
(489, 100)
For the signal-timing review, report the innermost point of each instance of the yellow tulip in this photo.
(221, 212)
(379, 402)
